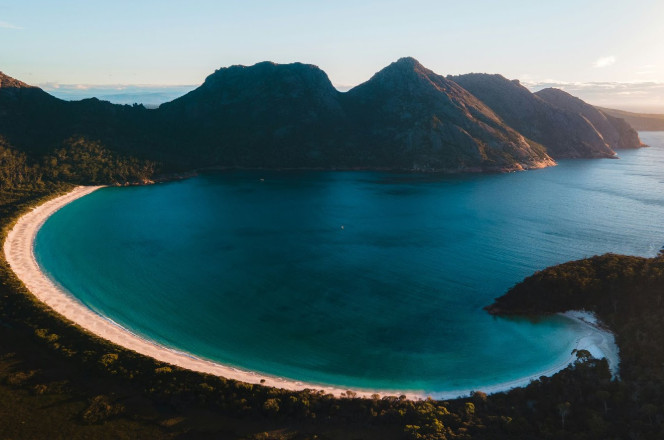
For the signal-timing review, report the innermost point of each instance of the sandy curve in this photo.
(18, 249)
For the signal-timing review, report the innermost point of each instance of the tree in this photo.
(563, 410)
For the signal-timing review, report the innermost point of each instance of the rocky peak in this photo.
(409, 82)
(407, 64)
(558, 96)
(405, 71)
(269, 74)
(262, 82)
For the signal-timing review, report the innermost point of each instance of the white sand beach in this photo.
(18, 248)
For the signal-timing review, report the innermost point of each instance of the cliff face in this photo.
(563, 132)
(616, 132)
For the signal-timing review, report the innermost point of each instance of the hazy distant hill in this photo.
(149, 96)
(640, 121)
(405, 117)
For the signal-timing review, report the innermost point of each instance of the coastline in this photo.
(600, 342)
(18, 249)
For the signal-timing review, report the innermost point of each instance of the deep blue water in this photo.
(362, 279)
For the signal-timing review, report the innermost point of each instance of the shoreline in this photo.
(19, 253)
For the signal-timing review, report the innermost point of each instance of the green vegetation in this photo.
(82, 160)
(77, 160)
(627, 293)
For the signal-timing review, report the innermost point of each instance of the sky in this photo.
(609, 48)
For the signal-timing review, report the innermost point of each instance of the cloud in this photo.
(647, 69)
(7, 25)
(605, 61)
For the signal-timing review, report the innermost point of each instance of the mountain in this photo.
(36, 122)
(27, 114)
(617, 133)
(640, 121)
(269, 115)
(407, 114)
(265, 115)
(564, 133)
(405, 117)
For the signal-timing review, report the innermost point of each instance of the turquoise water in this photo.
(360, 279)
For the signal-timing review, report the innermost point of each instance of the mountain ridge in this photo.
(268, 115)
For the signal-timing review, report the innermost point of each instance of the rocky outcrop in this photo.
(615, 131)
(564, 133)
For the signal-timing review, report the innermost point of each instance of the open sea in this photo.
(360, 279)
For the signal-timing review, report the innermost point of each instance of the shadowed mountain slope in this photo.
(265, 115)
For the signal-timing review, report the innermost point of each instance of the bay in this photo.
(361, 279)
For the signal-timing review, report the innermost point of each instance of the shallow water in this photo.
(361, 279)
